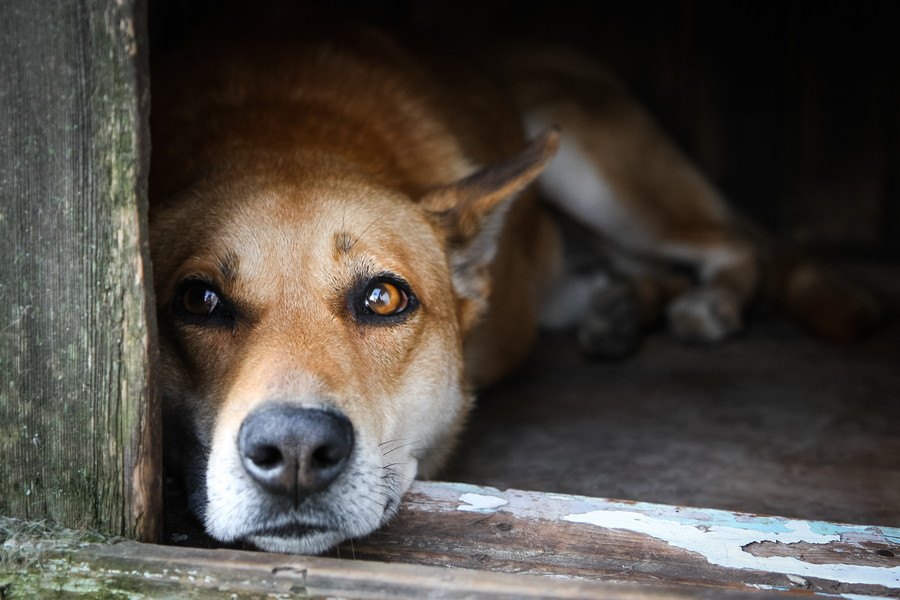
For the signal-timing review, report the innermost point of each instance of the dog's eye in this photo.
(199, 302)
(199, 299)
(384, 298)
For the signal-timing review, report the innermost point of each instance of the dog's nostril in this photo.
(266, 457)
(326, 456)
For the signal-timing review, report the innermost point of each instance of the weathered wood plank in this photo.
(78, 421)
(571, 536)
(41, 568)
(492, 544)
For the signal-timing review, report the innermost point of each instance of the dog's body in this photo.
(343, 250)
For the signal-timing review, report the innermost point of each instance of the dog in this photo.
(346, 244)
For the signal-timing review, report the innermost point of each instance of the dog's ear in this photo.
(471, 212)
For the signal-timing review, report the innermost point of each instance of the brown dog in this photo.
(344, 248)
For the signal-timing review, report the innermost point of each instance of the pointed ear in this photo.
(471, 212)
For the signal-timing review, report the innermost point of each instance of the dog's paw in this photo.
(705, 315)
(611, 328)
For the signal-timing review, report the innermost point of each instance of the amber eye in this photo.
(384, 298)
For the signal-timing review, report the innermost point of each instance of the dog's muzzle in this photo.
(292, 452)
(296, 479)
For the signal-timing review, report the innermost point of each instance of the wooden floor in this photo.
(771, 423)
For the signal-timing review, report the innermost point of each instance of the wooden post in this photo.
(79, 430)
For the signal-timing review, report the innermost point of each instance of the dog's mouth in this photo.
(295, 538)
(288, 531)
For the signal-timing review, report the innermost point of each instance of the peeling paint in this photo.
(722, 545)
(764, 586)
(535, 505)
(715, 536)
(480, 503)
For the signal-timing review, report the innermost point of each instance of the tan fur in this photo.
(283, 173)
(665, 211)
(289, 169)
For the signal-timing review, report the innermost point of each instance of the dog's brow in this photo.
(228, 265)
(343, 241)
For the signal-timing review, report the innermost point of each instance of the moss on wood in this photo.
(76, 324)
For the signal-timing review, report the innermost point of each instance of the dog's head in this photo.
(311, 326)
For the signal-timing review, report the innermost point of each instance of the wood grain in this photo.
(140, 570)
(667, 549)
(535, 533)
(79, 427)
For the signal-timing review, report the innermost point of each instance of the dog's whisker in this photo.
(400, 446)
(394, 441)
(392, 465)
(366, 230)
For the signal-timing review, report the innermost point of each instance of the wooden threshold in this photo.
(461, 541)
(463, 526)
(134, 570)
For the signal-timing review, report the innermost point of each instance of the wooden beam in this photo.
(37, 568)
(463, 526)
(79, 425)
(460, 541)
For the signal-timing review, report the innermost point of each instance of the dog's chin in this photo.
(297, 538)
(311, 541)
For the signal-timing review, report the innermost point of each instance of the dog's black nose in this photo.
(292, 451)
